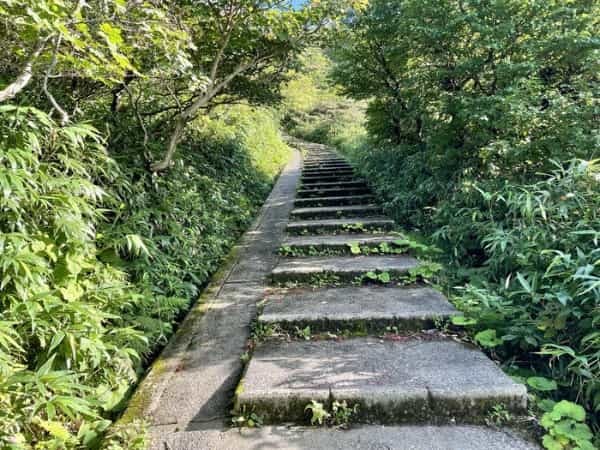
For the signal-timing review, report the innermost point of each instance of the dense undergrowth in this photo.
(100, 258)
(136, 144)
(480, 133)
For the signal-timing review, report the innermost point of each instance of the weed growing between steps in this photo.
(339, 414)
(357, 228)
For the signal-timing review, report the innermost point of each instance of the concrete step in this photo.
(325, 161)
(363, 437)
(332, 192)
(316, 164)
(353, 224)
(339, 242)
(326, 167)
(328, 178)
(359, 309)
(327, 173)
(323, 157)
(391, 381)
(333, 201)
(343, 267)
(318, 171)
(329, 184)
(335, 212)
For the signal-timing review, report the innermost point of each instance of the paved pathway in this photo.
(412, 389)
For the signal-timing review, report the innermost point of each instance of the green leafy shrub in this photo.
(477, 111)
(189, 217)
(539, 294)
(313, 108)
(566, 428)
(65, 350)
(99, 259)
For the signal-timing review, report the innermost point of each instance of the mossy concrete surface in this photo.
(193, 380)
(357, 224)
(345, 268)
(339, 241)
(334, 201)
(335, 212)
(391, 381)
(371, 437)
(357, 354)
(331, 191)
(368, 308)
(190, 394)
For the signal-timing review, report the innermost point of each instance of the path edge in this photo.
(150, 387)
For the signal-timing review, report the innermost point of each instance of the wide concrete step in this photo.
(359, 309)
(339, 242)
(337, 212)
(390, 381)
(332, 191)
(344, 200)
(348, 225)
(362, 437)
(342, 267)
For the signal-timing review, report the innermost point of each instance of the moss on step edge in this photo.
(169, 359)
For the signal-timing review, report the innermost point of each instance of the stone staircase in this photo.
(405, 376)
(324, 332)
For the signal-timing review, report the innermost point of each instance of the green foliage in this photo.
(312, 106)
(131, 436)
(488, 111)
(338, 414)
(251, 420)
(539, 293)
(94, 39)
(100, 258)
(304, 333)
(319, 415)
(566, 428)
(190, 216)
(341, 413)
(66, 350)
(381, 277)
(499, 416)
(542, 384)
(458, 98)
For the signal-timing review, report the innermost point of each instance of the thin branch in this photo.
(24, 78)
(64, 115)
(137, 114)
(229, 27)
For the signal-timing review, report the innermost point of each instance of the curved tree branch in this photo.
(24, 78)
(63, 114)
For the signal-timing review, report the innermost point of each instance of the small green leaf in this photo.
(463, 321)
(565, 408)
(384, 277)
(542, 384)
(354, 248)
(488, 338)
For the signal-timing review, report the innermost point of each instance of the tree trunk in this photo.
(175, 137)
(25, 76)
